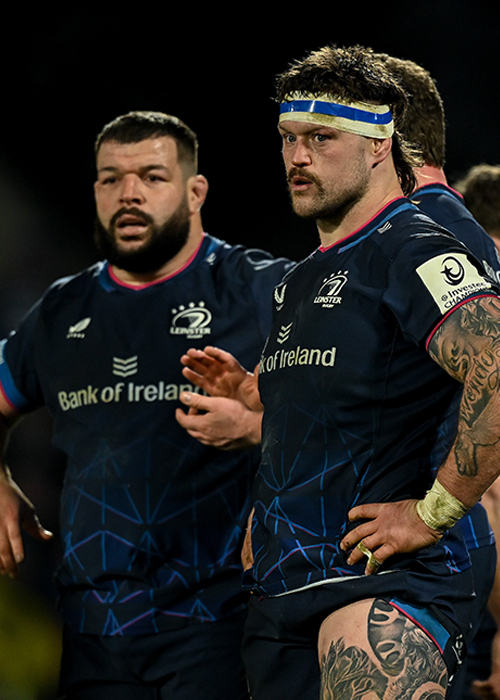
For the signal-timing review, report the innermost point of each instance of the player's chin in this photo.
(131, 244)
(304, 211)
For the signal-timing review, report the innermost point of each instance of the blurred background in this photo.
(68, 71)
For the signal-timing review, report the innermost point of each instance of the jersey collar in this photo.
(376, 223)
(110, 282)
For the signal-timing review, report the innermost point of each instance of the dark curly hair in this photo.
(480, 188)
(353, 74)
(424, 120)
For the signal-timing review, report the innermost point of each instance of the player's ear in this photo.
(197, 188)
(380, 149)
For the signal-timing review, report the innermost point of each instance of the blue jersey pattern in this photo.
(151, 519)
(353, 402)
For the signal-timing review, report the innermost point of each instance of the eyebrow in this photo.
(307, 132)
(304, 129)
(142, 170)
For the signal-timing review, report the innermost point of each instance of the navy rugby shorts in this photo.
(281, 634)
(200, 661)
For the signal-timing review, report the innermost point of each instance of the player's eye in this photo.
(151, 177)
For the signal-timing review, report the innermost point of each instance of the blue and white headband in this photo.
(373, 121)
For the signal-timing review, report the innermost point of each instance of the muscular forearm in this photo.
(16, 510)
(467, 346)
(468, 488)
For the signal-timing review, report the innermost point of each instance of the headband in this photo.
(374, 121)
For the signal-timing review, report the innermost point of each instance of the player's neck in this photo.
(430, 175)
(171, 267)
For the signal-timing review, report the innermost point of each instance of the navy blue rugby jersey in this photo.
(446, 206)
(151, 519)
(352, 399)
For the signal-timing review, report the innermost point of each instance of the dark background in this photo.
(67, 72)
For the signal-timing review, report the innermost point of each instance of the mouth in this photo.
(298, 182)
(131, 224)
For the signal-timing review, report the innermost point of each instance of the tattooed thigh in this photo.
(376, 653)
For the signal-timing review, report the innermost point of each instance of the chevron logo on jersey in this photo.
(284, 333)
(125, 368)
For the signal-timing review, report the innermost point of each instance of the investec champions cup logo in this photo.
(453, 271)
(329, 292)
(192, 321)
(450, 279)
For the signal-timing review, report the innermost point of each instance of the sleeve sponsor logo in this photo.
(450, 279)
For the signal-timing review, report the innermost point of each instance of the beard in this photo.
(162, 244)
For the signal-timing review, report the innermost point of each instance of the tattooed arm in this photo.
(467, 346)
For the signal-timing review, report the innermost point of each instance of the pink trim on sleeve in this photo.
(13, 406)
(432, 333)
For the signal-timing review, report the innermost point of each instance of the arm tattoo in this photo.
(467, 346)
(402, 663)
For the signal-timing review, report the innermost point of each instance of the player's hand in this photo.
(16, 513)
(219, 374)
(224, 423)
(488, 689)
(390, 528)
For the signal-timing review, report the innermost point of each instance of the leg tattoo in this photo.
(349, 673)
(401, 662)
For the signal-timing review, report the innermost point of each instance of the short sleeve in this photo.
(430, 277)
(18, 374)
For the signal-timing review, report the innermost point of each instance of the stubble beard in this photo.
(328, 203)
(162, 244)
